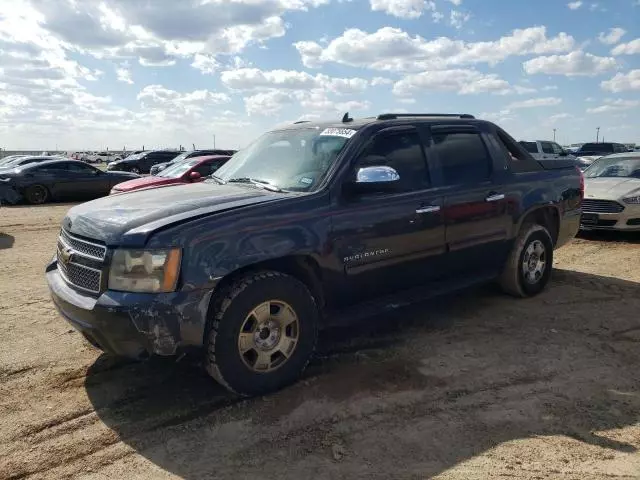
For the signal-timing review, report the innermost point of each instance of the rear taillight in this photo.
(581, 182)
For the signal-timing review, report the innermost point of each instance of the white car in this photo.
(612, 193)
(102, 157)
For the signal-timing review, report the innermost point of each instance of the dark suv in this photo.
(142, 162)
(600, 149)
(157, 168)
(314, 223)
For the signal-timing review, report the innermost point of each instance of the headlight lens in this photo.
(150, 271)
(634, 200)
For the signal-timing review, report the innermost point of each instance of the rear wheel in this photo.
(36, 194)
(262, 333)
(528, 268)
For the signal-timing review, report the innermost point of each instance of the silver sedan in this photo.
(612, 193)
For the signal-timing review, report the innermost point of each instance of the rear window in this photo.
(530, 147)
(597, 147)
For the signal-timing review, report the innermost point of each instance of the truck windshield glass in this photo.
(614, 167)
(294, 160)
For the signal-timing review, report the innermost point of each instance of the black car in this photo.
(142, 162)
(60, 180)
(22, 160)
(601, 149)
(191, 154)
(316, 222)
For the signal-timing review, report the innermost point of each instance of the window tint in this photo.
(79, 168)
(208, 168)
(597, 147)
(557, 149)
(401, 151)
(463, 156)
(547, 147)
(531, 147)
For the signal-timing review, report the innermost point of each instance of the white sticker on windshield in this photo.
(339, 132)
(306, 180)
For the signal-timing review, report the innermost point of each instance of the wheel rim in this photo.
(268, 336)
(534, 262)
(38, 194)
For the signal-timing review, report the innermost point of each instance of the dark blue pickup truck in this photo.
(311, 223)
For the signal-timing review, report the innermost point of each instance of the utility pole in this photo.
(554, 134)
(214, 141)
(597, 134)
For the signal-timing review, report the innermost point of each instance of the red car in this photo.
(188, 171)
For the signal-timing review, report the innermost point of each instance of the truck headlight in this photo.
(145, 271)
(634, 200)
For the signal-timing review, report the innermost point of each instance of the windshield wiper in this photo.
(217, 179)
(254, 181)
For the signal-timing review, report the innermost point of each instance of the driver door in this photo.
(88, 182)
(389, 241)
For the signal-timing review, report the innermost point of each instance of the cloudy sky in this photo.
(80, 74)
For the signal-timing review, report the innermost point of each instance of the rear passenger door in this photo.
(475, 209)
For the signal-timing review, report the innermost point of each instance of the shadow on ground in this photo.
(610, 236)
(413, 393)
(6, 241)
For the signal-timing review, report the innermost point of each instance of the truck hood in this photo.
(611, 188)
(130, 218)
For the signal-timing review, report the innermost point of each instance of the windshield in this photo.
(295, 160)
(177, 170)
(134, 156)
(626, 167)
(597, 148)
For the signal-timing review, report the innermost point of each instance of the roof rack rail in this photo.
(393, 116)
(302, 121)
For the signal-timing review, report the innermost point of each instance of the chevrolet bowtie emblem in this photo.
(65, 255)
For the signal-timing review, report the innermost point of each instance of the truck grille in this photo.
(81, 262)
(601, 206)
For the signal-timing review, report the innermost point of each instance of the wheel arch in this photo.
(302, 267)
(547, 216)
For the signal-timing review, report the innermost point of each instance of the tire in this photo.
(520, 279)
(36, 194)
(240, 310)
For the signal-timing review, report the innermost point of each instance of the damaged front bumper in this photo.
(133, 325)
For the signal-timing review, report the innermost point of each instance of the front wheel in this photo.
(528, 268)
(262, 333)
(36, 194)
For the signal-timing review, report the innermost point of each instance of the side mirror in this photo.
(376, 179)
(195, 176)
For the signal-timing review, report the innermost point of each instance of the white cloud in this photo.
(254, 79)
(392, 49)
(535, 102)
(315, 103)
(458, 18)
(623, 82)
(457, 3)
(407, 9)
(574, 5)
(631, 48)
(460, 81)
(124, 75)
(573, 64)
(377, 81)
(206, 63)
(617, 105)
(612, 37)
(179, 104)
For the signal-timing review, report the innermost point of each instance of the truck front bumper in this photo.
(133, 325)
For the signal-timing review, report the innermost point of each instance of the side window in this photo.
(531, 147)
(547, 147)
(79, 168)
(401, 151)
(209, 168)
(463, 156)
(557, 149)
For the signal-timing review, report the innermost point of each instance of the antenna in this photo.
(346, 118)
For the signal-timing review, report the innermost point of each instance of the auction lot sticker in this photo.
(339, 132)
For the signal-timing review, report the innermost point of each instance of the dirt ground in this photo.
(477, 385)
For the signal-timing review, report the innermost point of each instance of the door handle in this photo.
(494, 197)
(429, 209)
